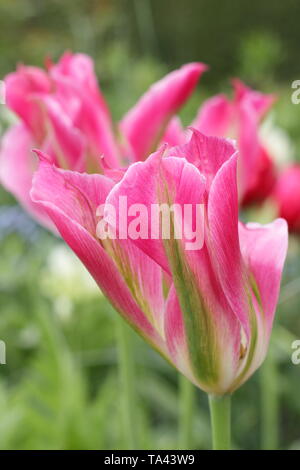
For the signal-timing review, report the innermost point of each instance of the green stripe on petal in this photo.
(251, 347)
(130, 276)
(202, 342)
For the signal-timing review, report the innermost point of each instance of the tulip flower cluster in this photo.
(63, 112)
(210, 310)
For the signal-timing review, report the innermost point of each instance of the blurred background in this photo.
(60, 387)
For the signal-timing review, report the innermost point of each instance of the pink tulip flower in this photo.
(210, 310)
(287, 196)
(63, 112)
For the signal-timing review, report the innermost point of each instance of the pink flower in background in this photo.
(239, 119)
(287, 196)
(62, 111)
(209, 311)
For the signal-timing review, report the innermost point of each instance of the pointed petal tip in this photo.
(195, 68)
(48, 62)
(241, 89)
(226, 140)
(144, 124)
(160, 152)
(201, 66)
(43, 157)
(238, 84)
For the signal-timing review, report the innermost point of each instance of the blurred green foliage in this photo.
(60, 388)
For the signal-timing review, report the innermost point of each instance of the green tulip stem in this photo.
(187, 392)
(220, 421)
(269, 403)
(127, 393)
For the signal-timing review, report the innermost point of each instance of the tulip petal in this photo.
(142, 184)
(249, 146)
(263, 181)
(66, 142)
(250, 106)
(175, 334)
(223, 242)
(143, 277)
(20, 87)
(259, 101)
(17, 164)
(144, 125)
(89, 111)
(207, 153)
(174, 134)
(202, 301)
(214, 117)
(71, 201)
(80, 68)
(264, 249)
(286, 196)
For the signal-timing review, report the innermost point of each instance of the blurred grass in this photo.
(60, 388)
